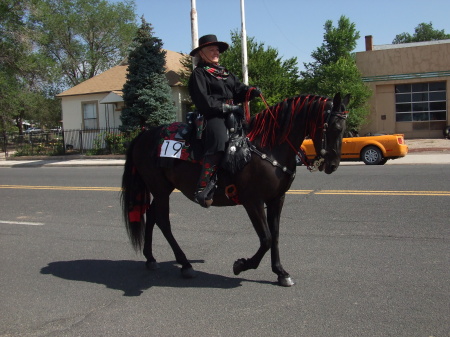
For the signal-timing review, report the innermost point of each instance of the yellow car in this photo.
(372, 150)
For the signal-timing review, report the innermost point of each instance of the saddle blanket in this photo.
(171, 148)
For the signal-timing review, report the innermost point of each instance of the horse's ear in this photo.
(337, 100)
(346, 99)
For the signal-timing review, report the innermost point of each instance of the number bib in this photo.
(171, 149)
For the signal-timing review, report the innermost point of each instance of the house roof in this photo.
(113, 79)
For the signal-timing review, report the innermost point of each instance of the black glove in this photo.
(255, 93)
(237, 109)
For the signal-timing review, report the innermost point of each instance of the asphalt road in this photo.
(368, 247)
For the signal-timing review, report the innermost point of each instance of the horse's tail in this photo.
(135, 199)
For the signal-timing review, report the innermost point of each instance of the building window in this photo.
(90, 120)
(421, 102)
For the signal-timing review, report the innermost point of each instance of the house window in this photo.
(421, 102)
(90, 120)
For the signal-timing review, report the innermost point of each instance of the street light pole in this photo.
(244, 46)
(194, 26)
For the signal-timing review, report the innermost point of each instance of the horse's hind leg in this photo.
(273, 217)
(163, 222)
(150, 222)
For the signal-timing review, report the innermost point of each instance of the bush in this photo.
(112, 143)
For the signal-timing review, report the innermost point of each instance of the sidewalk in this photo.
(421, 151)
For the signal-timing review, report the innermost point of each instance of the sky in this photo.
(294, 27)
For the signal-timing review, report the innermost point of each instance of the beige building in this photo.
(97, 102)
(410, 83)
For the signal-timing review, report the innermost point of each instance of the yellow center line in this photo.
(318, 192)
(300, 192)
(356, 192)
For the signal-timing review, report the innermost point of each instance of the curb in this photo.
(119, 160)
(64, 158)
(430, 149)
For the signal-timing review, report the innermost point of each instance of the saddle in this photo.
(237, 154)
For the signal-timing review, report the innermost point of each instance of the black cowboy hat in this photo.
(209, 40)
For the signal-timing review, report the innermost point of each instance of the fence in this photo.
(61, 142)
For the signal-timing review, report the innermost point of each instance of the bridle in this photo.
(320, 157)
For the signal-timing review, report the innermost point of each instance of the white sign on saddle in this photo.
(171, 149)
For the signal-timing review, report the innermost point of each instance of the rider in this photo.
(215, 92)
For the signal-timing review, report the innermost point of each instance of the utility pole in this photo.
(194, 26)
(244, 46)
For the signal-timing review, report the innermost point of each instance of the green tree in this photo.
(25, 74)
(11, 31)
(185, 73)
(146, 93)
(334, 70)
(84, 37)
(186, 69)
(12, 48)
(277, 84)
(423, 32)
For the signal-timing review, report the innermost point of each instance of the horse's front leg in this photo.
(258, 218)
(273, 217)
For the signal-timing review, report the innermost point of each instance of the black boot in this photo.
(206, 184)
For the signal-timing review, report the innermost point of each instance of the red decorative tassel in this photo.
(138, 210)
(134, 215)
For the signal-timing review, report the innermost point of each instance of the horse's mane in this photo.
(275, 123)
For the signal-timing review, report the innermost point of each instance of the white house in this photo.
(97, 102)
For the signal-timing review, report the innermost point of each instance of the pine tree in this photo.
(146, 93)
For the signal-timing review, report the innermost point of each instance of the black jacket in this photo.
(209, 93)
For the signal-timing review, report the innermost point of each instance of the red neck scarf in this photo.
(216, 70)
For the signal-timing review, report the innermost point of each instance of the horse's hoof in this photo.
(188, 272)
(285, 281)
(238, 266)
(152, 265)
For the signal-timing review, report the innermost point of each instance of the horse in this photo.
(275, 135)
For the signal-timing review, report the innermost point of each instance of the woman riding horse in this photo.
(215, 92)
(260, 186)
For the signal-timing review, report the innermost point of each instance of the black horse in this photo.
(275, 134)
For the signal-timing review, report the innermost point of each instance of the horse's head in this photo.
(328, 143)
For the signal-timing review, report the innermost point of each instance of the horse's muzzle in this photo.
(330, 168)
(331, 163)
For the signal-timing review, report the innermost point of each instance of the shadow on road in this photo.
(133, 278)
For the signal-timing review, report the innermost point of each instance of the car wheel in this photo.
(447, 132)
(371, 155)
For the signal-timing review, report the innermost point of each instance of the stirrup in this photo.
(201, 196)
(204, 196)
